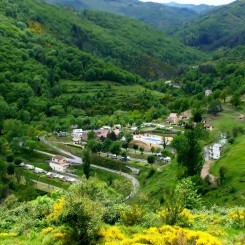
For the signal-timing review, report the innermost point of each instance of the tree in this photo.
(10, 169)
(214, 107)
(224, 94)
(83, 217)
(183, 195)
(197, 117)
(116, 147)
(111, 135)
(135, 147)
(125, 145)
(106, 145)
(128, 137)
(3, 168)
(91, 135)
(236, 99)
(151, 159)
(87, 157)
(18, 174)
(94, 145)
(10, 158)
(153, 149)
(189, 151)
(141, 149)
(18, 160)
(222, 174)
(164, 142)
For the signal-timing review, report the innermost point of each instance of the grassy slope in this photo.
(233, 190)
(233, 159)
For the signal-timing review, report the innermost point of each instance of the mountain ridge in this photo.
(158, 15)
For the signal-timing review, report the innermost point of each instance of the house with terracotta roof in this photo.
(59, 163)
(172, 118)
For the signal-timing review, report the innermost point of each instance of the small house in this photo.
(172, 118)
(241, 117)
(77, 132)
(184, 115)
(118, 126)
(208, 127)
(133, 129)
(62, 134)
(59, 163)
(108, 128)
(208, 92)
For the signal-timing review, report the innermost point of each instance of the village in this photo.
(150, 138)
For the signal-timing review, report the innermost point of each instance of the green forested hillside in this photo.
(163, 17)
(122, 41)
(221, 27)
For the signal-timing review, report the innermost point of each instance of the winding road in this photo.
(78, 160)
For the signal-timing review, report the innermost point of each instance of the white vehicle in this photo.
(114, 156)
(29, 167)
(167, 159)
(39, 170)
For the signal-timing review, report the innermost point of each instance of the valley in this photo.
(121, 122)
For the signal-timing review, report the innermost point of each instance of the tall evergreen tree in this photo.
(189, 151)
(87, 157)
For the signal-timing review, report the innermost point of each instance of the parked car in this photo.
(114, 156)
(39, 170)
(29, 167)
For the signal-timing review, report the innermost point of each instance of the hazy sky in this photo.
(209, 2)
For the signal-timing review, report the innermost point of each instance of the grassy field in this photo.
(153, 183)
(233, 189)
(115, 89)
(227, 119)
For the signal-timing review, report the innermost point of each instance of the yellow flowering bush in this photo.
(57, 207)
(184, 216)
(59, 235)
(130, 215)
(46, 230)
(169, 235)
(111, 233)
(35, 26)
(238, 216)
(8, 234)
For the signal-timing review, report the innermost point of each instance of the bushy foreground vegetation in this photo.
(93, 213)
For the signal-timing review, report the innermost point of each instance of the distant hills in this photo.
(221, 27)
(45, 34)
(202, 26)
(200, 9)
(165, 17)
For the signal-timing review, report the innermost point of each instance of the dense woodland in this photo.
(61, 67)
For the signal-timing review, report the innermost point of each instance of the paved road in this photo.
(78, 160)
(73, 159)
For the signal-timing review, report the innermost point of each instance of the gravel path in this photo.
(206, 167)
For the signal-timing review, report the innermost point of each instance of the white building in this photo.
(208, 92)
(59, 163)
(77, 135)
